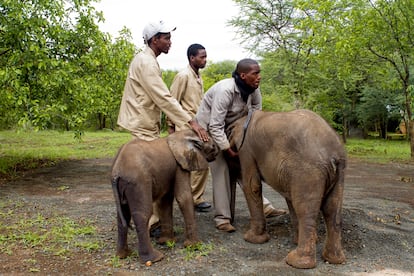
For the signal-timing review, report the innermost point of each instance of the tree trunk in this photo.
(410, 132)
(344, 129)
(410, 125)
(101, 121)
(383, 129)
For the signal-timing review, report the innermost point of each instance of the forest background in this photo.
(350, 61)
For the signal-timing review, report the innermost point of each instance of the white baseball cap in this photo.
(154, 28)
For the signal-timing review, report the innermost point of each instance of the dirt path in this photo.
(378, 229)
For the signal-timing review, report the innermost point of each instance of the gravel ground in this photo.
(378, 227)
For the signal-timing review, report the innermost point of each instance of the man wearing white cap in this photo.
(146, 95)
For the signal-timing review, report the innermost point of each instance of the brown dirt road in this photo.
(378, 227)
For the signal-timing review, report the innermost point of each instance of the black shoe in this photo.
(155, 230)
(203, 207)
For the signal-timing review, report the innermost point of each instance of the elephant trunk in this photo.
(115, 181)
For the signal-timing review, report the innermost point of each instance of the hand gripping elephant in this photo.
(301, 157)
(157, 171)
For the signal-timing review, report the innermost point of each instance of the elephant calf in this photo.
(144, 172)
(299, 155)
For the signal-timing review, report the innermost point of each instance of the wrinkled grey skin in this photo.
(300, 156)
(158, 171)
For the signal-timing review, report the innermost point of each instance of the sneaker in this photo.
(226, 227)
(155, 230)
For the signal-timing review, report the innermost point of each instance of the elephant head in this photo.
(190, 151)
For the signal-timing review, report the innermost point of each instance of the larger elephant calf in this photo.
(300, 156)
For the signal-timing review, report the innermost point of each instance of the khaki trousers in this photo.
(155, 216)
(198, 185)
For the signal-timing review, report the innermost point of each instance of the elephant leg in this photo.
(332, 212)
(139, 198)
(304, 256)
(166, 222)
(307, 205)
(293, 220)
(122, 250)
(252, 188)
(185, 202)
(145, 249)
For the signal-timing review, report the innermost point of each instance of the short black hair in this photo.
(244, 65)
(157, 35)
(193, 50)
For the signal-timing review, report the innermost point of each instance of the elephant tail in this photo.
(335, 175)
(338, 165)
(115, 181)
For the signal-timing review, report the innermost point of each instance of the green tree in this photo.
(269, 29)
(215, 72)
(377, 107)
(57, 69)
(168, 76)
(364, 40)
(105, 78)
(38, 44)
(292, 40)
(323, 55)
(390, 38)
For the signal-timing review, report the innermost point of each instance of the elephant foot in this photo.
(165, 239)
(296, 260)
(155, 256)
(188, 242)
(122, 253)
(334, 256)
(250, 236)
(295, 238)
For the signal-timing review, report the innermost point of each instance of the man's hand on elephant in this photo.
(201, 132)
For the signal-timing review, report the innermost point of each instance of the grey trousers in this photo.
(221, 191)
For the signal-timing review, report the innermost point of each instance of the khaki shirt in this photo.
(222, 104)
(145, 96)
(187, 88)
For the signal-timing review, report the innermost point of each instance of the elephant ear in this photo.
(237, 131)
(234, 133)
(186, 148)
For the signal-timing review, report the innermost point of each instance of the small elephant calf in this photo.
(144, 172)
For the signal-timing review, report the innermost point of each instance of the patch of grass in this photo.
(197, 250)
(115, 262)
(379, 150)
(171, 244)
(178, 230)
(26, 150)
(56, 235)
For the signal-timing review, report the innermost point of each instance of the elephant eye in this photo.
(198, 144)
